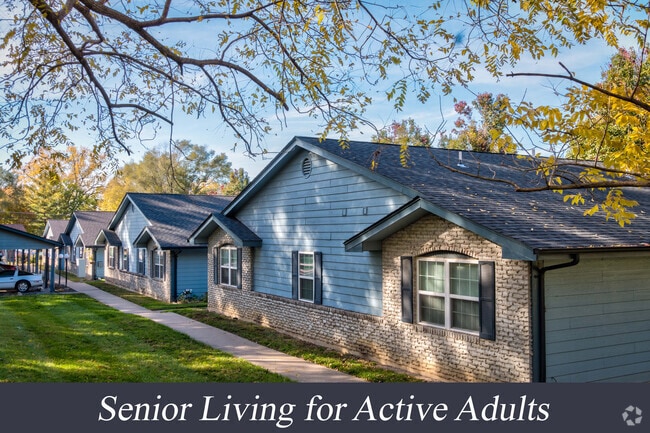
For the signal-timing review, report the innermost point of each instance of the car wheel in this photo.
(22, 286)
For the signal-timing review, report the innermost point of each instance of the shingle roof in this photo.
(174, 217)
(56, 227)
(541, 220)
(91, 223)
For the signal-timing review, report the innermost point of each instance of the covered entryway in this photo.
(598, 320)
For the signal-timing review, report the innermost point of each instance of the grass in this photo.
(364, 369)
(73, 338)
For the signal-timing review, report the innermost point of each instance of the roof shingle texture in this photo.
(541, 220)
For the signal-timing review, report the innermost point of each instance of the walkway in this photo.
(291, 367)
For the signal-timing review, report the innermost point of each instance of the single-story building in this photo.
(85, 257)
(146, 244)
(434, 271)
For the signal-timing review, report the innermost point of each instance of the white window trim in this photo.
(447, 295)
(312, 278)
(230, 266)
(142, 261)
(158, 271)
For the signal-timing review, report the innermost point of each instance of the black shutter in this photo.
(318, 278)
(407, 289)
(217, 266)
(487, 307)
(239, 269)
(294, 274)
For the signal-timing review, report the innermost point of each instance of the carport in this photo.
(13, 239)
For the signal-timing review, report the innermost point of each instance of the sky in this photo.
(587, 62)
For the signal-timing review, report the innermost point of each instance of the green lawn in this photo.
(73, 338)
(349, 364)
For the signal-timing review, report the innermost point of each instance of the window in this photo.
(125, 259)
(228, 266)
(111, 257)
(81, 252)
(158, 268)
(307, 276)
(142, 259)
(448, 293)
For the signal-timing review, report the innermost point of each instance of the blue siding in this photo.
(128, 229)
(318, 213)
(193, 271)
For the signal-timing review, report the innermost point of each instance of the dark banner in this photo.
(325, 407)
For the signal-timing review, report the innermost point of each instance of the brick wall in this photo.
(143, 284)
(433, 353)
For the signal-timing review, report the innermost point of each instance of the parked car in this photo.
(19, 280)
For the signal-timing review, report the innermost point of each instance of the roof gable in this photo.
(171, 218)
(529, 222)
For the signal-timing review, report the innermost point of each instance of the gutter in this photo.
(539, 373)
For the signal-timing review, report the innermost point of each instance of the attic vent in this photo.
(306, 167)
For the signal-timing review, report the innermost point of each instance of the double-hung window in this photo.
(142, 259)
(448, 293)
(228, 266)
(111, 257)
(125, 259)
(158, 264)
(306, 276)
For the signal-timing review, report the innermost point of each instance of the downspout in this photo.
(540, 373)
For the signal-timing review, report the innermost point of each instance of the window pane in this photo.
(233, 257)
(432, 277)
(233, 277)
(225, 257)
(307, 265)
(464, 315)
(432, 310)
(307, 289)
(225, 276)
(463, 279)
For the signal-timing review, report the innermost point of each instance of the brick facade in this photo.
(144, 284)
(433, 353)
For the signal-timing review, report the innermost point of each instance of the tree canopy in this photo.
(185, 168)
(125, 70)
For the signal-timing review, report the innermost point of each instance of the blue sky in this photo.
(587, 62)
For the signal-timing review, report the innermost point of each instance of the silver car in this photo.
(19, 280)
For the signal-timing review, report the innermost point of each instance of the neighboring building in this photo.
(146, 244)
(434, 271)
(85, 256)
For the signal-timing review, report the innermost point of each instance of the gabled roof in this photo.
(171, 218)
(241, 235)
(109, 237)
(527, 223)
(56, 227)
(91, 223)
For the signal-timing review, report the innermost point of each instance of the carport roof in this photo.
(14, 239)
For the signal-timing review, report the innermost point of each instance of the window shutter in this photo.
(318, 278)
(294, 274)
(239, 269)
(217, 265)
(487, 308)
(407, 289)
(164, 266)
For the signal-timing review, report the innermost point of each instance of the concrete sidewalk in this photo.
(294, 368)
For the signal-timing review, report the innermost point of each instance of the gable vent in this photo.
(306, 167)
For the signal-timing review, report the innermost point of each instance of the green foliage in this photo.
(186, 168)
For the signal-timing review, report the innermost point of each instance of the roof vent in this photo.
(460, 159)
(306, 167)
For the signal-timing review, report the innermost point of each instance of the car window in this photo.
(7, 274)
(24, 273)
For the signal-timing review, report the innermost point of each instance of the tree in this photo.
(238, 181)
(57, 184)
(12, 209)
(125, 69)
(470, 134)
(405, 133)
(185, 168)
